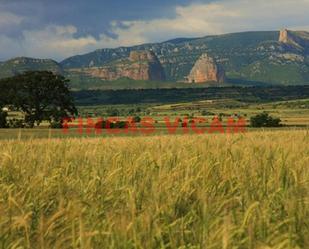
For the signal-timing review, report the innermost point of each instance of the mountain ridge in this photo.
(253, 56)
(22, 64)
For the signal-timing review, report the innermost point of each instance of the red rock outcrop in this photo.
(206, 70)
(299, 39)
(141, 65)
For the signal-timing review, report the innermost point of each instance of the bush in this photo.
(56, 125)
(121, 125)
(265, 120)
(112, 125)
(137, 119)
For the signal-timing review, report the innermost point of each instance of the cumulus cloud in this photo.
(52, 42)
(194, 20)
(56, 41)
(221, 17)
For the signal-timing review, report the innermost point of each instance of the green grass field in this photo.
(184, 191)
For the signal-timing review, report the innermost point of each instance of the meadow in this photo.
(183, 191)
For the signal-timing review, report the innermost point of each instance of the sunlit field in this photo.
(294, 115)
(184, 191)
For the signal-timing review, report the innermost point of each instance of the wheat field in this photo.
(183, 191)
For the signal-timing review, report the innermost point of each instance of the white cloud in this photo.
(221, 17)
(190, 21)
(8, 19)
(56, 41)
(51, 42)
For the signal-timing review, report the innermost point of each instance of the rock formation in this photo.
(141, 65)
(206, 70)
(284, 36)
(299, 39)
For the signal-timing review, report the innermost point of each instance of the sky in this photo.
(58, 29)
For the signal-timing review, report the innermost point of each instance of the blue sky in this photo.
(60, 28)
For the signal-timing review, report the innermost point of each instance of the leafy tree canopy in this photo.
(264, 120)
(40, 95)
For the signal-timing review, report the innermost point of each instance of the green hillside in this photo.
(248, 56)
(22, 64)
(252, 58)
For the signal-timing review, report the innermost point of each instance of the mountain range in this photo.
(265, 57)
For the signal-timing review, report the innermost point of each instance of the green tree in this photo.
(5, 96)
(137, 119)
(264, 120)
(3, 121)
(40, 96)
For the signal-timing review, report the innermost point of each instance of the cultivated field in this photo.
(184, 191)
(294, 115)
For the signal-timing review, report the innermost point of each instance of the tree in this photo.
(3, 121)
(137, 119)
(5, 92)
(40, 95)
(4, 100)
(265, 120)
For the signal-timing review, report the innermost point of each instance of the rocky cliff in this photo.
(247, 58)
(206, 70)
(286, 37)
(140, 65)
(298, 39)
